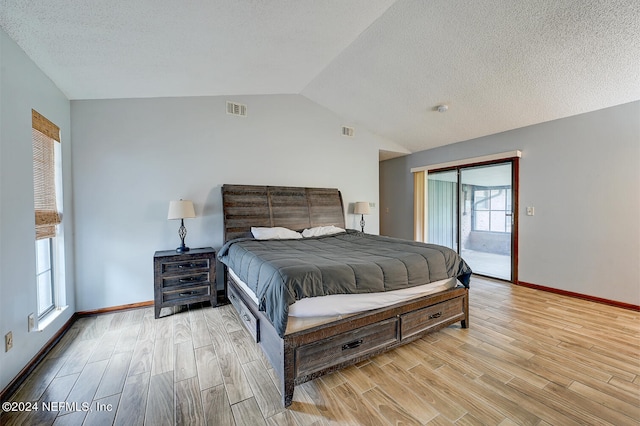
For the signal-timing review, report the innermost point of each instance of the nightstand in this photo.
(184, 278)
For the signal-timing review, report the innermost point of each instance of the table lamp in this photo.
(361, 208)
(182, 209)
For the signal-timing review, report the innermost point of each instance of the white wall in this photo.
(23, 87)
(582, 175)
(131, 157)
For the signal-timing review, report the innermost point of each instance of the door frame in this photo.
(515, 190)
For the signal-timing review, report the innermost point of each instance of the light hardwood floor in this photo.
(529, 357)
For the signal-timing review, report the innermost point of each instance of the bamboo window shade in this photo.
(44, 134)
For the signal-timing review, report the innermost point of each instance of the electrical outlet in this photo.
(8, 341)
(31, 319)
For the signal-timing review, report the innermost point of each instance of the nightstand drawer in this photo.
(184, 294)
(183, 280)
(184, 266)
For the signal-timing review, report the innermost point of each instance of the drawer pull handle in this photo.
(188, 293)
(352, 345)
(436, 315)
(191, 265)
(246, 317)
(188, 280)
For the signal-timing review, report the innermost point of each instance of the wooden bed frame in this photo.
(304, 355)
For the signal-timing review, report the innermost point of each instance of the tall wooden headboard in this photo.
(295, 208)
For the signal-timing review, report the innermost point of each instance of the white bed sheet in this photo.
(313, 311)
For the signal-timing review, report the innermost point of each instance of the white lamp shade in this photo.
(361, 207)
(181, 209)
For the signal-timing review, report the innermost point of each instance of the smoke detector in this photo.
(442, 108)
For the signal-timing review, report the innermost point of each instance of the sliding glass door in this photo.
(471, 210)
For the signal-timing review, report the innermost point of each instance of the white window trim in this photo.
(49, 318)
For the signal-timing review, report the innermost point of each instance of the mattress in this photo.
(313, 311)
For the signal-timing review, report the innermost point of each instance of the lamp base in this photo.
(182, 232)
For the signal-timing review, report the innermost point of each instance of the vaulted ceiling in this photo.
(381, 64)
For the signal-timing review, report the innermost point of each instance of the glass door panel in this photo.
(442, 205)
(486, 219)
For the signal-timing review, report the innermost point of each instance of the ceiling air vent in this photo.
(236, 109)
(348, 131)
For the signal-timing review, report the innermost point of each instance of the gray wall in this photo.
(582, 175)
(131, 157)
(23, 87)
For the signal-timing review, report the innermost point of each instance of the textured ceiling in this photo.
(380, 64)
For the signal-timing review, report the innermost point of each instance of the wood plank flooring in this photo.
(529, 358)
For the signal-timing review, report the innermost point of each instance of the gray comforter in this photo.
(282, 271)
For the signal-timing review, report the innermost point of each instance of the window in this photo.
(492, 209)
(44, 273)
(47, 194)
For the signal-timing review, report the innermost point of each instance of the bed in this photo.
(300, 344)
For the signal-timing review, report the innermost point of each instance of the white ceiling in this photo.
(380, 64)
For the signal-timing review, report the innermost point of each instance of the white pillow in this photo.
(275, 233)
(319, 231)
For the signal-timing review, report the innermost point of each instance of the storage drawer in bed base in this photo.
(246, 316)
(425, 319)
(345, 346)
